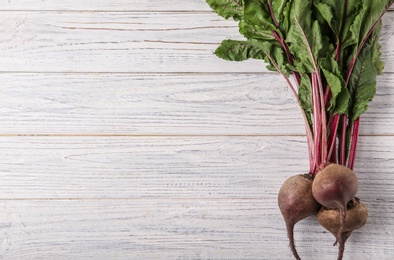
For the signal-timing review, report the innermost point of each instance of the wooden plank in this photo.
(177, 229)
(127, 42)
(106, 5)
(147, 104)
(172, 167)
(142, 167)
(170, 104)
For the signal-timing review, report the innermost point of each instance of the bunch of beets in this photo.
(329, 55)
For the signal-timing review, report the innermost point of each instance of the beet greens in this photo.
(329, 54)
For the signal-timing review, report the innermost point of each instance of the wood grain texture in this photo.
(145, 167)
(173, 167)
(106, 5)
(169, 104)
(176, 229)
(150, 147)
(127, 42)
(147, 104)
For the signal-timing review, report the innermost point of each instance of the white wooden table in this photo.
(123, 137)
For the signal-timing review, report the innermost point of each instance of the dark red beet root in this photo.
(334, 187)
(356, 217)
(296, 202)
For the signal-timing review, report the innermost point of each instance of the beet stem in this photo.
(332, 138)
(342, 143)
(353, 145)
(290, 234)
(317, 122)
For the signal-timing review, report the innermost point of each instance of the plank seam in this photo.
(114, 11)
(173, 135)
(184, 73)
(135, 199)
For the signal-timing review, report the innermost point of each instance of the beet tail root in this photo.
(342, 241)
(290, 234)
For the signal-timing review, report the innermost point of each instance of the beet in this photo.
(356, 217)
(334, 187)
(296, 202)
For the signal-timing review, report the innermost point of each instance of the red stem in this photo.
(323, 124)
(273, 15)
(333, 134)
(311, 159)
(342, 142)
(333, 158)
(317, 121)
(288, 55)
(353, 147)
(332, 152)
(282, 43)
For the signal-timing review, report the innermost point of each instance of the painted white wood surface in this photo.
(175, 229)
(203, 167)
(142, 42)
(169, 104)
(105, 5)
(123, 137)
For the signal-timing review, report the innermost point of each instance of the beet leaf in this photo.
(331, 49)
(362, 82)
(227, 8)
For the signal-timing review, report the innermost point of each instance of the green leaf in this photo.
(241, 50)
(257, 12)
(305, 97)
(279, 57)
(340, 96)
(304, 37)
(341, 16)
(252, 49)
(299, 16)
(227, 8)
(362, 83)
(262, 18)
(332, 12)
(377, 53)
(350, 21)
(254, 32)
(367, 17)
(278, 7)
(265, 16)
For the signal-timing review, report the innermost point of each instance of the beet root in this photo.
(296, 202)
(356, 217)
(334, 187)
